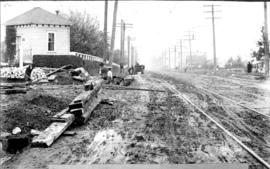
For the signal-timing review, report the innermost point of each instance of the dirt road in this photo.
(154, 128)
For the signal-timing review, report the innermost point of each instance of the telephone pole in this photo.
(175, 57)
(122, 42)
(214, 34)
(181, 54)
(132, 56)
(266, 42)
(190, 38)
(123, 26)
(105, 51)
(128, 51)
(113, 31)
(169, 58)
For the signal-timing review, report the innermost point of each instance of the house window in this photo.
(50, 41)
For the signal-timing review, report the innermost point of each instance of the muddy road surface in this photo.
(150, 127)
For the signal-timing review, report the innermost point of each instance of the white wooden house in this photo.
(40, 32)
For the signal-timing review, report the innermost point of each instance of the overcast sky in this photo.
(158, 24)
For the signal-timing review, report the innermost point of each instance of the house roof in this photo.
(38, 16)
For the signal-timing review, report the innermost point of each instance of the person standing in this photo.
(249, 67)
(28, 72)
(109, 75)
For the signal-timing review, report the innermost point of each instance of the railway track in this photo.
(249, 150)
(233, 101)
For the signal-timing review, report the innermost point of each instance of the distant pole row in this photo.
(132, 53)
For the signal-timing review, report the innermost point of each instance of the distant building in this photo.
(40, 32)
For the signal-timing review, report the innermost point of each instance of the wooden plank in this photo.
(90, 109)
(115, 87)
(69, 133)
(12, 85)
(62, 112)
(57, 70)
(14, 91)
(85, 96)
(77, 112)
(76, 104)
(48, 136)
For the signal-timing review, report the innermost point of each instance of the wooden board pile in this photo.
(12, 88)
(82, 106)
(78, 112)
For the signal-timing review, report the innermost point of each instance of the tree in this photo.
(85, 36)
(259, 53)
(10, 43)
(235, 63)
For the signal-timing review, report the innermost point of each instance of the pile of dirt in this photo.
(32, 113)
(64, 78)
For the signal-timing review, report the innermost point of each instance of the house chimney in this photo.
(57, 12)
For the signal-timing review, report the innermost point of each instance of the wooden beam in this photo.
(13, 91)
(48, 136)
(90, 109)
(59, 69)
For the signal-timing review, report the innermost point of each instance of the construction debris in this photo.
(14, 143)
(48, 136)
(35, 132)
(69, 133)
(13, 91)
(59, 69)
(115, 87)
(84, 103)
(16, 130)
(79, 111)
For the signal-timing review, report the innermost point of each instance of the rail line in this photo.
(231, 100)
(180, 95)
(235, 102)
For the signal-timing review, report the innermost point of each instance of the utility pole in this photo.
(123, 26)
(190, 38)
(122, 42)
(128, 51)
(132, 56)
(175, 57)
(169, 58)
(266, 42)
(105, 51)
(165, 59)
(181, 54)
(113, 31)
(214, 35)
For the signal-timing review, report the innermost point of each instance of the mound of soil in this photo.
(32, 113)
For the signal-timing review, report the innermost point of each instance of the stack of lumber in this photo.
(85, 103)
(78, 111)
(12, 88)
(49, 135)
